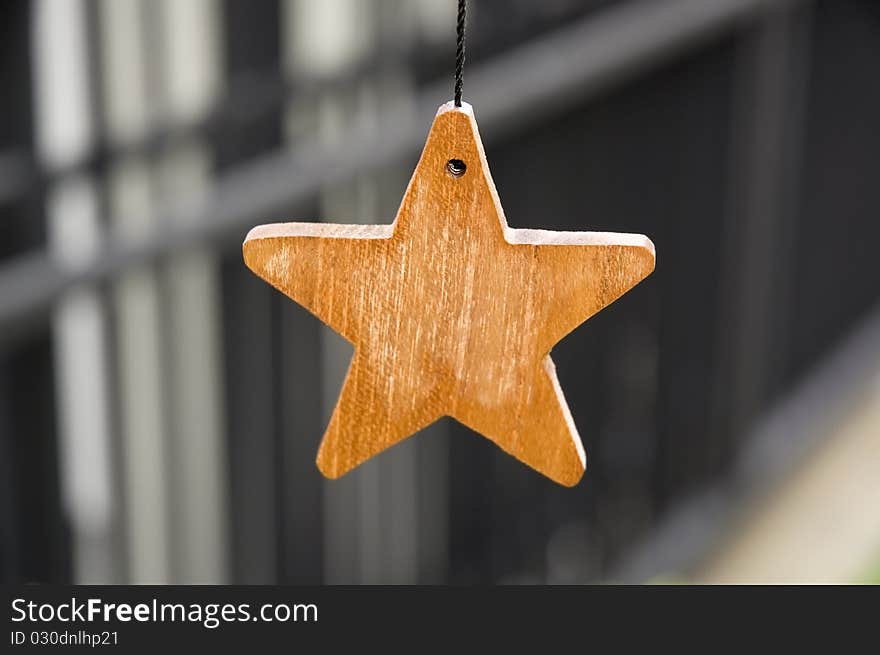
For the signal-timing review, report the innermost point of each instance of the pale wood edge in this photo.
(320, 230)
(530, 237)
(466, 108)
(550, 369)
(527, 237)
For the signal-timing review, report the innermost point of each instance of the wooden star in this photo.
(451, 312)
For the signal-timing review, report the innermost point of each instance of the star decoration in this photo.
(451, 312)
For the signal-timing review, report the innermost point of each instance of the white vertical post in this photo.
(141, 390)
(64, 134)
(191, 72)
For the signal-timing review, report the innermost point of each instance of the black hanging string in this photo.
(459, 50)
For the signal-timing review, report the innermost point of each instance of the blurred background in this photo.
(161, 407)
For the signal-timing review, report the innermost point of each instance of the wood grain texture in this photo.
(451, 312)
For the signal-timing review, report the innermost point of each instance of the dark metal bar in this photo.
(300, 424)
(249, 99)
(759, 230)
(255, 465)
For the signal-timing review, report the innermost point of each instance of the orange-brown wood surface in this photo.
(451, 312)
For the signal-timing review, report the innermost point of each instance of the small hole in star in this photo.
(456, 167)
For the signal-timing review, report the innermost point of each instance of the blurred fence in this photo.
(160, 408)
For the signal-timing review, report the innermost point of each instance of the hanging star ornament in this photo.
(451, 312)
